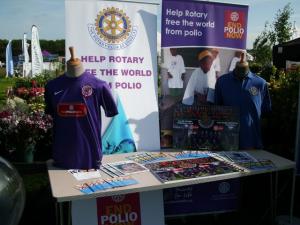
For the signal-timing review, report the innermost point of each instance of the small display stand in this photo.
(139, 204)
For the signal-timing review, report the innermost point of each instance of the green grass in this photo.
(4, 84)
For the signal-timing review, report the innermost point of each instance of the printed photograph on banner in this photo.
(206, 127)
(188, 77)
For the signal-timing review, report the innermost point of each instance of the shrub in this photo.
(255, 67)
(267, 72)
(2, 72)
(281, 123)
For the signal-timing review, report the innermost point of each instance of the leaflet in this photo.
(85, 174)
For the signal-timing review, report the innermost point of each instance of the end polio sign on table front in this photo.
(119, 209)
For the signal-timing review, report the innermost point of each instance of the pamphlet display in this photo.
(169, 167)
(181, 200)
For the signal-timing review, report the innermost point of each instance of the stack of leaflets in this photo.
(234, 156)
(190, 168)
(85, 174)
(104, 184)
(261, 164)
(122, 168)
(192, 154)
(148, 157)
(245, 161)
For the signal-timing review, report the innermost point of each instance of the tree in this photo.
(262, 47)
(54, 47)
(283, 28)
(280, 31)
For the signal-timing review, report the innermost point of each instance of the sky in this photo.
(17, 17)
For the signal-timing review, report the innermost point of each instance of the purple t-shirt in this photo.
(74, 104)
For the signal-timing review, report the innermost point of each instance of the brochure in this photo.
(111, 170)
(127, 167)
(237, 156)
(192, 154)
(148, 157)
(261, 164)
(103, 184)
(85, 174)
(190, 168)
(245, 160)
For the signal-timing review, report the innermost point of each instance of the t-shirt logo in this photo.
(87, 90)
(253, 91)
(71, 109)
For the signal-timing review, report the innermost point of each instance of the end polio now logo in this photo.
(234, 24)
(112, 29)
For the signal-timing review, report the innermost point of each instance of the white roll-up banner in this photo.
(36, 53)
(116, 42)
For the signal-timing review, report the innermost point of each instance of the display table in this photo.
(84, 206)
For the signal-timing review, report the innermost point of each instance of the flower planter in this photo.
(25, 154)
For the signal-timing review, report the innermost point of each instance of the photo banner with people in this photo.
(197, 38)
(116, 42)
(201, 41)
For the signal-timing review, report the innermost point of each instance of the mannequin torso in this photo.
(74, 66)
(241, 69)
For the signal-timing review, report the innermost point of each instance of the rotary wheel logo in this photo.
(234, 16)
(253, 91)
(112, 29)
(118, 198)
(224, 187)
(113, 25)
